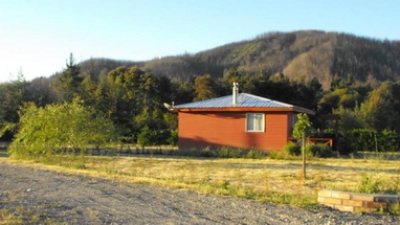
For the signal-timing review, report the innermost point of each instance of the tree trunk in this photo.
(303, 150)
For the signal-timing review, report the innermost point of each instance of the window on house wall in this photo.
(255, 122)
(292, 122)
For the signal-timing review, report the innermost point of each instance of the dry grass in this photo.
(261, 179)
(17, 213)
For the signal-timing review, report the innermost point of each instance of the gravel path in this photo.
(76, 199)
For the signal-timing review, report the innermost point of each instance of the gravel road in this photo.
(76, 199)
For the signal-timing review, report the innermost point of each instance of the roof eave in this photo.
(246, 109)
(303, 110)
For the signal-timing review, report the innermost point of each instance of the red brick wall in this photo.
(202, 129)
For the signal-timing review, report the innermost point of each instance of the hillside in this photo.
(300, 55)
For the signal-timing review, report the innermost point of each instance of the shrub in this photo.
(319, 150)
(148, 137)
(255, 154)
(371, 140)
(69, 127)
(369, 184)
(226, 152)
(222, 152)
(173, 138)
(292, 149)
(206, 152)
(344, 146)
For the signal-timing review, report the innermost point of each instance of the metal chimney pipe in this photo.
(235, 93)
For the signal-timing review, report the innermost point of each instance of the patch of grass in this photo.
(394, 209)
(22, 215)
(369, 184)
(378, 183)
(9, 218)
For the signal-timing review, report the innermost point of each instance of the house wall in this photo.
(202, 129)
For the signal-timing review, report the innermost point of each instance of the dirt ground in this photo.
(75, 199)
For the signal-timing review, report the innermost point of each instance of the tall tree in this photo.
(12, 97)
(40, 92)
(70, 81)
(381, 110)
(133, 99)
(205, 87)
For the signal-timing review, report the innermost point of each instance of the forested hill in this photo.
(298, 55)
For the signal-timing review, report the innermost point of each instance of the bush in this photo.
(369, 184)
(371, 140)
(226, 152)
(222, 152)
(149, 137)
(173, 138)
(318, 150)
(344, 146)
(292, 149)
(254, 154)
(68, 127)
(146, 137)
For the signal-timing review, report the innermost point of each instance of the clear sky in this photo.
(37, 36)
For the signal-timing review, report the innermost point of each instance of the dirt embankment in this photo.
(75, 199)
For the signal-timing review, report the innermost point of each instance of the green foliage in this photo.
(173, 138)
(133, 100)
(222, 152)
(6, 127)
(254, 154)
(149, 137)
(292, 149)
(205, 87)
(369, 184)
(375, 183)
(251, 48)
(70, 81)
(394, 209)
(226, 152)
(66, 127)
(303, 127)
(312, 150)
(371, 140)
(12, 96)
(349, 119)
(319, 150)
(381, 109)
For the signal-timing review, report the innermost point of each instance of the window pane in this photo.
(250, 123)
(258, 122)
(255, 122)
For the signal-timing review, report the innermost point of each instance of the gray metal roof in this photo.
(244, 101)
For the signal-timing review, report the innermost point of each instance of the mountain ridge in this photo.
(299, 55)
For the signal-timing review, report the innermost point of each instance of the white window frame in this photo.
(260, 127)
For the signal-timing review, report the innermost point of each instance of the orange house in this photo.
(242, 121)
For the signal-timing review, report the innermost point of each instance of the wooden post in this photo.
(303, 150)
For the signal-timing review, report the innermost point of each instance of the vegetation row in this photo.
(131, 102)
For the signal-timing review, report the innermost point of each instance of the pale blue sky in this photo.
(37, 36)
